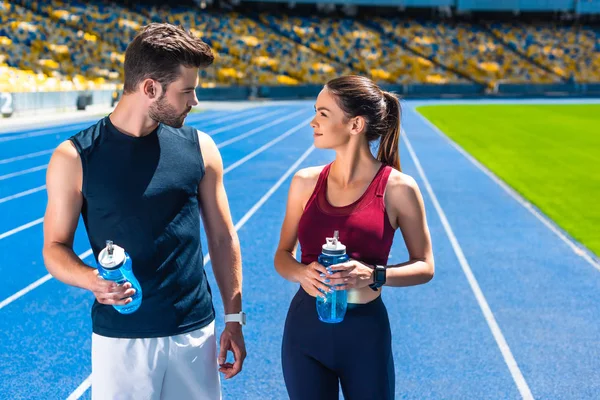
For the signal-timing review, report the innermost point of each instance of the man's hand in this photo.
(108, 292)
(232, 339)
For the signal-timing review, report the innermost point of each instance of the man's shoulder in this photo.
(185, 132)
(85, 139)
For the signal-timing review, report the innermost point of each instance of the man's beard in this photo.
(161, 111)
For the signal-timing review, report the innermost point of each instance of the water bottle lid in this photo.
(334, 246)
(112, 256)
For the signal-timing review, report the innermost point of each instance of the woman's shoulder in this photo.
(400, 179)
(308, 176)
(305, 180)
(401, 187)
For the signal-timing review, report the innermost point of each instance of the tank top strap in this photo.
(383, 177)
(323, 177)
(319, 186)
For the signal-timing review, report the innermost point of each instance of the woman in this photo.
(366, 199)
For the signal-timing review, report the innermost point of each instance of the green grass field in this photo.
(550, 154)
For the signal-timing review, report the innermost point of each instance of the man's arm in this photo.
(63, 183)
(223, 243)
(224, 249)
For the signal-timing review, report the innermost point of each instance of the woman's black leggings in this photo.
(356, 352)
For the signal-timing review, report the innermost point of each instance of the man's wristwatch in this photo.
(240, 317)
(379, 277)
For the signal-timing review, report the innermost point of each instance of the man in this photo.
(143, 180)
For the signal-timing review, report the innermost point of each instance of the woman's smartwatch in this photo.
(379, 277)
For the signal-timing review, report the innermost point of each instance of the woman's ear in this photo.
(357, 125)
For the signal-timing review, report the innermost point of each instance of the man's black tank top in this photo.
(142, 193)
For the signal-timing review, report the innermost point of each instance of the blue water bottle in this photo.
(332, 308)
(114, 265)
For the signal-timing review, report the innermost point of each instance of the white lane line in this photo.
(35, 284)
(483, 304)
(21, 228)
(271, 143)
(583, 253)
(23, 172)
(26, 156)
(244, 122)
(22, 194)
(258, 129)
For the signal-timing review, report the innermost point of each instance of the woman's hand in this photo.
(313, 279)
(350, 275)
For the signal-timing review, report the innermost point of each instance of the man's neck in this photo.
(131, 119)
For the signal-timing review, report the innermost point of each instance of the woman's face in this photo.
(330, 125)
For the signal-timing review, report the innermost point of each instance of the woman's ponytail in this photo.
(389, 153)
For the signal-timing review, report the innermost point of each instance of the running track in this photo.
(512, 311)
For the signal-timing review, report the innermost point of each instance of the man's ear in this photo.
(151, 88)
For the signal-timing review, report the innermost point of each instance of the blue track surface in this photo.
(511, 313)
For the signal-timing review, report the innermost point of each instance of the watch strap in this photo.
(240, 318)
(379, 278)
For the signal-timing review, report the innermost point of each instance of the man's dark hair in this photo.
(157, 52)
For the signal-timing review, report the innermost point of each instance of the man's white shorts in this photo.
(177, 367)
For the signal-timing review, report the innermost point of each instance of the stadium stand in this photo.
(364, 49)
(40, 53)
(569, 52)
(73, 45)
(467, 48)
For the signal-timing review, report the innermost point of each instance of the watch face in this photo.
(379, 275)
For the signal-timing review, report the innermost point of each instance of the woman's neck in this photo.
(353, 164)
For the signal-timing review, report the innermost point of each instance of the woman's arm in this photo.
(404, 199)
(286, 265)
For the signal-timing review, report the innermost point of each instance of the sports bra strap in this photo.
(383, 179)
(318, 187)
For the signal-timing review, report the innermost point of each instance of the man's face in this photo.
(175, 103)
